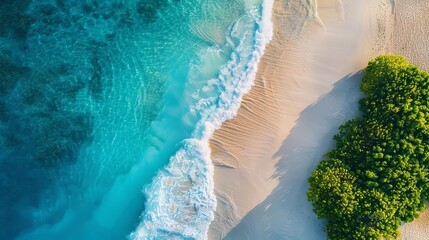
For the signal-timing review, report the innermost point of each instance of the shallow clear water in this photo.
(102, 99)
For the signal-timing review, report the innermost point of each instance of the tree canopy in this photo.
(377, 176)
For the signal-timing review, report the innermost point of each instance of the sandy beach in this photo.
(306, 86)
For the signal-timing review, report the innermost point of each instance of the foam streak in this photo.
(181, 200)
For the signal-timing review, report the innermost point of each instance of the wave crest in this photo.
(180, 196)
(180, 200)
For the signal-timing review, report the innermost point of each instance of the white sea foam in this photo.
(180, 200)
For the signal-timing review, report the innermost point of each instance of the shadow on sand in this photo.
(285, 213)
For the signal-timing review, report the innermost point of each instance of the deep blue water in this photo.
(106, 108)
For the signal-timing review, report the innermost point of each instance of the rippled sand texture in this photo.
(307, 85)
(287, 121)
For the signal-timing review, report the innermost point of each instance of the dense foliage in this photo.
(377, 176)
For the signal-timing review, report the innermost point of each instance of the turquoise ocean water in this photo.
(106, 108)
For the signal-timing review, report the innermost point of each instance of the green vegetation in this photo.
(377, 176)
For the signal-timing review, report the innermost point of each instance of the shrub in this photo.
(377, 176)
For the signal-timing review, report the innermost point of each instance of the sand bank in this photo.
(307, 85)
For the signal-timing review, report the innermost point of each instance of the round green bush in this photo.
(377, 176)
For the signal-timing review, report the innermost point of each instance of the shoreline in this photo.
(295, 71)
(307, 84)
